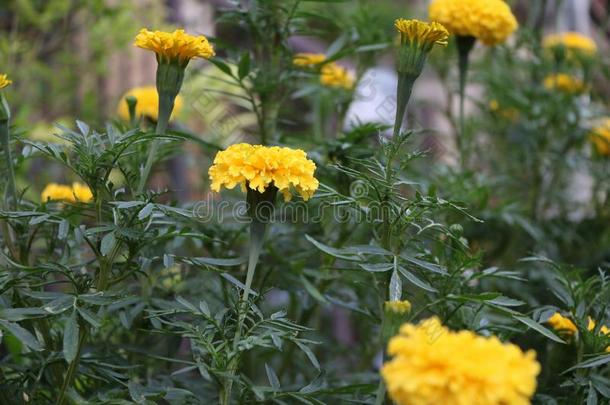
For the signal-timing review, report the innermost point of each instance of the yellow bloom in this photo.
(57, 192)
(258, 167)
(510, 114)
(82, 192)
(4, 81)
(175, 46)
(308, 59)
(600, 136)
(337, 76)
(562, 324)
(422, 33)
(433, 365)
(564, 83)
(147, 105)
(397, 307)
(574, 42)
(490, 21)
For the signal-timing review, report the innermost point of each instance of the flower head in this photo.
(397, 307)
(147, 103)
(490, 21)
(433, 365)
(259, 167)
(600, 136)
(422, 34)
(562, 324)
(337, 76)
(82, 192)
(564, 83)
(4, 81)
(175, 46)
(573, 42)
(59, 192)
(308, 59)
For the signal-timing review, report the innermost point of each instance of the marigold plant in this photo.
(175, 46)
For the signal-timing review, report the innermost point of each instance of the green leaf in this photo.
(415, 280)
(146, 211)
(593, 362)
(272, 377)
(71, 337)
(244, 65)
(309, 353)
(90, 317)
(377, 267)
(313, 291)
(22, 334)
(332, 251)
(539, 328)
(108, 243)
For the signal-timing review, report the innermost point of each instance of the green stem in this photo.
(11, 190)
(70, 374)
(257, 237)
(403, 94)
(464, 46)
(160, 130)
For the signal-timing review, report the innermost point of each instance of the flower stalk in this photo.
(465, 44)
(5, 116)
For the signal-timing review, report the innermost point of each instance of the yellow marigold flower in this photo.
(490, 21)
(424, 34)
(308, 59)
(564, 83)
(337, 76)
(175, 46)
(82, 192)
(4, 81)
(574, 42)
(562, 324)
(510, 114)
(259, 167)
(433, 365)
(397, 307)
(147, 105)
(600, 136)
(57, 192)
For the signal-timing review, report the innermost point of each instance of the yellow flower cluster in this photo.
(574, 42)
(308, 59)
(4, 81)
(175, 46)
(422, 33)
(147, 105)
(337, 76)
(59, 192)
(433, 365)
(397, 307)
(508, 113)
(490, 21)
(258, 167)
(564, 83)
(600, 136)
(563, 324)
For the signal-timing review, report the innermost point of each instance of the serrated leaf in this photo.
(108, 243)
(71, 337)
(412, 278)
(593, 362)
(309, 353)
(22, 334)
(146, 211)
(274, 381)
(539, 328)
